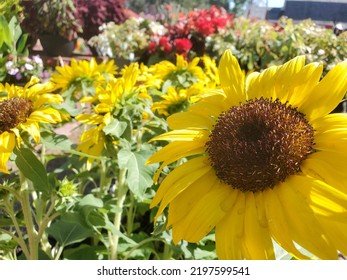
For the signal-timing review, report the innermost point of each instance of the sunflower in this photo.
(182, 74)
(112, 98)
(177, 100)
(265, 162)
(93, 140)
(83, 71)
(22, 109)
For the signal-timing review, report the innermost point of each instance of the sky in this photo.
(275, 3)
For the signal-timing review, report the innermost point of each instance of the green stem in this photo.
(103, 172)
(167, 252)
(43, 154)
(28, 219)
(60, 251)
(140, 244)
(20, 239)
(121, 195)
(130, 215)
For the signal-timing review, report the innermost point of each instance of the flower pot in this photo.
(55, 45)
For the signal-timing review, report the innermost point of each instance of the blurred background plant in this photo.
(51, 17)
(127, 40)
(93, 14)
(10, 8)
(258, 44)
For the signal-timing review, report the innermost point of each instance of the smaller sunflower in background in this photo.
(83, 75)
(183, 84)
(23, 110)
(118, 108)
(265, 162)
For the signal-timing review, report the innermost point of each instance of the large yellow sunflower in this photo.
(266, 161)
(23, 109)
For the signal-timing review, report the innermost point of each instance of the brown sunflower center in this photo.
(256, 145)
(14, 111)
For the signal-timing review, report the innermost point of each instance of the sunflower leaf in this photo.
(69, 229)
(139, 175)
(115, 128)
(33, 169)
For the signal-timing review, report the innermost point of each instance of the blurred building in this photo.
(323, 12)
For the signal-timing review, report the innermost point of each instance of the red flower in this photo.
(183, 45)
(164, 43)
(152, 47)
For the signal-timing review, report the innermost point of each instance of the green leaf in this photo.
(69, 229)
(84, 252)
(115, 128)
(91, 200)
(22, 43)
(89, 205)
(139, 175)
(5, 32)
(61, 143)
(112, 228)
(93, 217)
(32, 169)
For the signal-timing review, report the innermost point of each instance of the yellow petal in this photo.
(334, 140)
(230, 231)
(190, 120)
(48, 99)
(181, 205)
(181, 135)
(3, 160)
(7, 142)
(257, 241)
(304, 83)
(90, 119)
(327, 94)
(330, 122)
(323, 197)
(303, 225)
(261, 84)
(327, 167)
(287, 77)
(45, 115)
(173, 152)
(203, 216)
(211, 106)
(178, 180)
(33, 129)
(277, 222)
(337, 232)
(232, 79)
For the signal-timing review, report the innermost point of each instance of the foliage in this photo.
(93, 14)
(154, 6)
(127, 40)
(10, 8)
(51, 17)
(258, 44)
(13, 48)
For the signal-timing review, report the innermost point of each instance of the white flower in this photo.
(37, 59)
(28, 66)
(321, 52)
(13, 71)
(9, 65)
